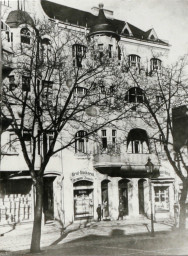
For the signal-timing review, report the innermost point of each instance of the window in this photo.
(26, 83)
(80, 91)
(100, 47)
(46, 47)
(47, 140)
(110, 50)
(135, 95)
(12, 142)
(134, 61)
(81, 140)
(47, 92)
(25, 36)
(126, 32)
(119, 53)
(78, 53)
(155, 64)
(27, 139)
(104, 139)
(12, 84)
(159, 99)
(137, 141)
(9, 36)
(114, 132)
(161, 198)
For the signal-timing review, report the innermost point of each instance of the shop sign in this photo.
(82, 175)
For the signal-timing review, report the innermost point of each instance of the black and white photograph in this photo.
(93, 127)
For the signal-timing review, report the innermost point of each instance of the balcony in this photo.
(122, 164)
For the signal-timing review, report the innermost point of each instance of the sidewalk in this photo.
(19, 237)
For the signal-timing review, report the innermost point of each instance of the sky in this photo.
(169, 18)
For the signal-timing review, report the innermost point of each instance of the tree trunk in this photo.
(182, 217)
(36, 234)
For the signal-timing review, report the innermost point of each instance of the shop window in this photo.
(135, 95)
(110, 50)
(83, 199)
(25, 35)
(155, 64)
(26, 83)
(134, 61)
(161, 198)
(137, 141)
(78, 53)
(104, 140)
(81, 140)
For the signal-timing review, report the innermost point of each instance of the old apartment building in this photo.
(110, 171)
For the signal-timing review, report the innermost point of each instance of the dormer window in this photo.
(155, 64)
(25, 35)
(80, 91)
(134, 61)
(126, 32)
(78, 53)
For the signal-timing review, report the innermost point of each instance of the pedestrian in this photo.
(99, 212)
(120, 211)
(176, 214)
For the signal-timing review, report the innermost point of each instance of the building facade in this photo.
(111, 171)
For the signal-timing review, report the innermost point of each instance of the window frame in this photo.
(81, 140)
(25, 36)
(134, 61)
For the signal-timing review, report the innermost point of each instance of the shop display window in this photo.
(161, 198)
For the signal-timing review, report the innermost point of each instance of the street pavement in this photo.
(126, 237)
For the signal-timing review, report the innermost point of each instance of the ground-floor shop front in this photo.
(84, 190)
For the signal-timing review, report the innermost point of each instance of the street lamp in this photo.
(149, 168)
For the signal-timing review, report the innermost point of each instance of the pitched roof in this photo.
(86, 19)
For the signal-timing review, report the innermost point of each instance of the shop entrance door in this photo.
(105, 205)
(123, 196)
(141, 196)
(48, 199)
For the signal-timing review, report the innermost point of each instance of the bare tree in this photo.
(164, 89)
(61, 81)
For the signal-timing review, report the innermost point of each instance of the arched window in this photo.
(134, 61)
(155, 64)
(78, 53)
(137, 141)
(25, 35)
(135, 95)
(81, 140)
